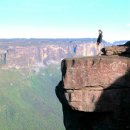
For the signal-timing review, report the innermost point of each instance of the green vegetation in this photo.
(28, 100)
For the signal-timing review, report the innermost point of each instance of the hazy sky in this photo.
(65, 19)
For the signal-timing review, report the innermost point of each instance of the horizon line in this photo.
(7, 38)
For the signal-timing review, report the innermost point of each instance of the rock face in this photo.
(15, 56)
(95, 93)
(89, 77)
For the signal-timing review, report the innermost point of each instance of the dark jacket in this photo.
(99, 39)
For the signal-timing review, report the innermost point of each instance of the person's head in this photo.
(100, 31)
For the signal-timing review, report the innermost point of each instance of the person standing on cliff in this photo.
(74, 50)
(99, 40)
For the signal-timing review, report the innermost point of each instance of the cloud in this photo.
(129, 25)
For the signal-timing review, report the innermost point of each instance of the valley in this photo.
(28, 100)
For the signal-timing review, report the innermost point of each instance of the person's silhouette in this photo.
(99, 40)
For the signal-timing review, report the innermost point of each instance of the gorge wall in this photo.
(95, 91)
(15, 56)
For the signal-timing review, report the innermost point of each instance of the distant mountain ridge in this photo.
(33, 41)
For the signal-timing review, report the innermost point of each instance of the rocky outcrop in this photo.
(117, 50)
(95, 93)
(85, 79)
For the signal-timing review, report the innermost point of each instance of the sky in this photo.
(65, 19)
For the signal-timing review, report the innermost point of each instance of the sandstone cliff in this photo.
(95, 92)
(16, 56)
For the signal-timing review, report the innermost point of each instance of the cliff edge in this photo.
(95, 91)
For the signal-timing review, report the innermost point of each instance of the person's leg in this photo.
(97, 49)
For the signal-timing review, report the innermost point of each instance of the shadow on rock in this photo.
(112, 111)
(116, 100)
